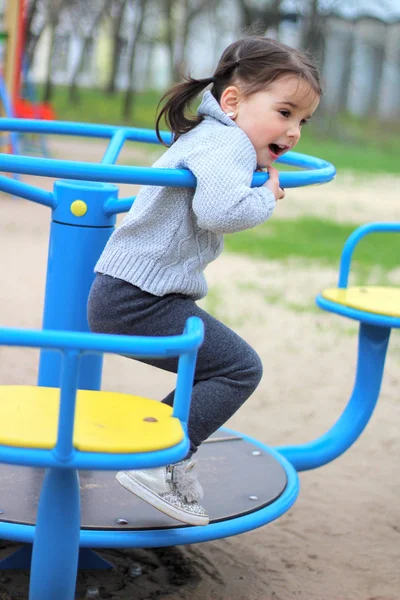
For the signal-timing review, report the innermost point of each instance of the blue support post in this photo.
(372, 346)
(79, 231)
(19, 559)
(55, 552)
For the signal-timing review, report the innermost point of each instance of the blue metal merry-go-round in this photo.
(68, 438)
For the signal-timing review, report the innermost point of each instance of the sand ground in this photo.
(341, 540)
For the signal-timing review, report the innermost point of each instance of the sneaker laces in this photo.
(185, 481)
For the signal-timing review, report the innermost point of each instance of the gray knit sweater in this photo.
(170, 234)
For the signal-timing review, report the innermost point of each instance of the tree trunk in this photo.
(170, 36)
(48, 88)
(73, 94)
(190, 13)
(73, 87)
(247, 14)
(116, 50)
(31, 48)
(378, 57)
(276, 17)
(54, 11)
(29, 36)
(346, 74)
(256, 19)
(180, 41)
(149, 54)
(313, 34)
(129, 94)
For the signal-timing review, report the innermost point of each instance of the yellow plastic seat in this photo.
(104, 421)
(373, 299)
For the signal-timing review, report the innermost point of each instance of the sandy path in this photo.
(341, 540)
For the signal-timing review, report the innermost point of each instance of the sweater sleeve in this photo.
(223, 201)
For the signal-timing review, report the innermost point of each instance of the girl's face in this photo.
(272, 118)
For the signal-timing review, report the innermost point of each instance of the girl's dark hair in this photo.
(253, 61)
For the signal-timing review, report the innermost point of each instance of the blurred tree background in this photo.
(111, 60)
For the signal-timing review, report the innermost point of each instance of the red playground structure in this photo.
(13, 37)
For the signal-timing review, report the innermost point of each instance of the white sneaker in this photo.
(174, 490)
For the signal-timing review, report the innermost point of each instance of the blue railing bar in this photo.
(326, 170)
(140, 175)
(142, 346)
(299, 178)
(114, 206)
(304, 161)
(24, 190)
(48, 167)
(373, 343)
(353, 240)
(66, 417)
(186, 370)
(134, 134)
(114, 147)
(287, 180)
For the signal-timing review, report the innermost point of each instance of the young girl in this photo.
(151, 271)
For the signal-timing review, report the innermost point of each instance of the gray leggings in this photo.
(228, 370)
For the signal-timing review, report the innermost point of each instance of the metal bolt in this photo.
(253, 497)
(256, 453)
(92, 592)
(135, 570)
(122, 522)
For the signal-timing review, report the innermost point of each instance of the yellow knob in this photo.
(79, 208)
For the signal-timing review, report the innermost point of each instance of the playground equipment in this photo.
(84, 206)
(17, 94)
(12, 39)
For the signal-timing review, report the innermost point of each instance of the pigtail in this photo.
(176, 101)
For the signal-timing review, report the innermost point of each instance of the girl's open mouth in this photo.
(276, 150)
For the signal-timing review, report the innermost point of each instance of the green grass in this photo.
(359, 145)
(363, 157)
(315, 240)
(95, 106)
(365, 145)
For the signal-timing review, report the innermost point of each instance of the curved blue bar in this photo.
(140, 346)
(353, 240)
(94, 460)
(325, 173)
(320, 171)
(182, 534)
(49, 167)
(134, 134)
(304, 161)
(92, 130)
(358, 315)
(373, 343)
